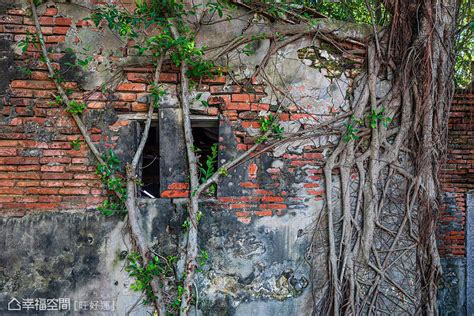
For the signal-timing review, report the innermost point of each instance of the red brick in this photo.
(41, 191)
(218, 99)
(315, 192)
(56, 176)
(85, 176)
(26, 199)
(61, 30)
(242, 214)
(260, 107)
(74, 191)
(7, 151)
(215, 80)
(274, 206)
(249, 185)
(252, 171)
(238, 106)
(311, 185)
(9, 168)
(247, 124)
(168, 77)
(31, 84)
(28, 183)
(140, 77)
(263, 192)
(313, 155)
(29, 168)
(264, 213)
(47, 168)
(20, 175)
(50, 199)
(62, 160)
(241, 205)
(54, 152)
(8, 143)
(7, 183)
(52, 183)
(96, 105)
(55, 39)
(174, 194)
(178, 186)
(51, 11)
(272, 199)
(63, 21)
(244, 98)
(139, 107)
(75, 183)
(43, 206)
(10, 19)
(131, 87)
(11, 190)
(44, 20)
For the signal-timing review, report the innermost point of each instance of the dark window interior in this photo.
(151, 164)
(204, 138)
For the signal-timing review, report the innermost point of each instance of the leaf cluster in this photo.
(109, 175)
(269, 122)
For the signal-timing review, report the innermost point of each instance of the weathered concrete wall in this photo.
(259, 228)
(253, 269)
(64, 255)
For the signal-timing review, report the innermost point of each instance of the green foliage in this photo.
(57, 77)
(25, 71)
(157, 92)
(143, 274)
(371, 120)
(269, 122)
(108, 172)
(29, 39)
(76, 107)
(464, 46)
(186, 224)
(117, 20)
(202, 258)
(376, 116)
(223, 171)
(248, 50)
(76, 144)
(207, 171)
(57, 101)
(151, 13)
(203, 102)
(84, 63)
(350, 133)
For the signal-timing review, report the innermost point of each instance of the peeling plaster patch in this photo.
(196, 98)
(308, 86)
(290, 126)
(251, 131)
(295, 147)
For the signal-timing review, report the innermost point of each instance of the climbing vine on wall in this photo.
(378, 136)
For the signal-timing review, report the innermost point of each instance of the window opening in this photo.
(151, 164)
(205, 134)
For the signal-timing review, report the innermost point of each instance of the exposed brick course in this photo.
(39, 174)
(457, 176)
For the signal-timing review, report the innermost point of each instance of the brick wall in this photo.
(457, 175)
(40, 170)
